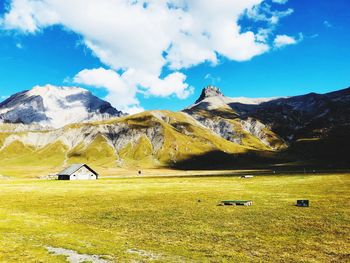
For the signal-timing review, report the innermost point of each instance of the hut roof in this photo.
(73, 168)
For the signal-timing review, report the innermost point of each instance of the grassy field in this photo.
(161, 219)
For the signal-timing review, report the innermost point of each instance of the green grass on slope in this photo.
(3, 136)
(179, 145)
(248, 139)
(163, 217)
(19, 159)
(98, 152)
(138, 154)
(183, 139)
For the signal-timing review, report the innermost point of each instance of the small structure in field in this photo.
(236, 202)
(78, 172)
(247, 176)
(302, 203)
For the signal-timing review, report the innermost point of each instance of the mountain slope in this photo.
(213, 110)
(310, 115)
(148, 139)
(214, 133)
(314, 127)
(212, 98)
(55, 107)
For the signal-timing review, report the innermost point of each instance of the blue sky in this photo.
(55, 52)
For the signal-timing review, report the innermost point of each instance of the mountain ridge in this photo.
(205, 135)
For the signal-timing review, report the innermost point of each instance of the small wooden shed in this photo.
(78, 172)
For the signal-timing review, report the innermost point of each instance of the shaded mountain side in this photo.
(313, 127)
(310, 115)
(313, 154)
(332, 150)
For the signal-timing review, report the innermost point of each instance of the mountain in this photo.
(311, 115)
(313, 126)
(213, 110)
(149, 139)
(216, 132)
(55, 107)
(212, 98)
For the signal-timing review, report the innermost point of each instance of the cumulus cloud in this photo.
(122, 89)
(139, 39)
(284, 40)
(27, 15)
(119, 93)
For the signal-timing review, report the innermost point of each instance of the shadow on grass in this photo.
(217, 160)
(294, 160)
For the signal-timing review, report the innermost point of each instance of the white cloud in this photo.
(122, 89)
(212, 79)
(264, 12)
(119, 93)
(172, 84)
(141, 38)
(19, 45)
(284, 40)
(28, 15)
(263, 34)
(327, 24)
(280, 1)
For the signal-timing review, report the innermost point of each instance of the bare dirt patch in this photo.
(75, 257)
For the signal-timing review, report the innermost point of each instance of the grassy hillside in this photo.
(98, 153)
(271, 140)
(149, 139)
(162, 220)
(22, 160)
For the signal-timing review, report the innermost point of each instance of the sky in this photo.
(159, 54)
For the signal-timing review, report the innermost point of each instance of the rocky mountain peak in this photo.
(209, 91)
(52, 106)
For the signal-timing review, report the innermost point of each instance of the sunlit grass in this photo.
(164, 216)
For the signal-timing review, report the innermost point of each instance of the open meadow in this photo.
(176, 219)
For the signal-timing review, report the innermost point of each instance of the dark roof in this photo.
(73, 168)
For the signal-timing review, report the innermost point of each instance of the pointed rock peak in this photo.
(209, 91)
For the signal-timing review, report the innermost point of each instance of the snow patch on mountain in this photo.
(251, 101)
(55, 107)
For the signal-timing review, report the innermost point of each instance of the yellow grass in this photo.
(163, 218)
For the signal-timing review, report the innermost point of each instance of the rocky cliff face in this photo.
(209, 91)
